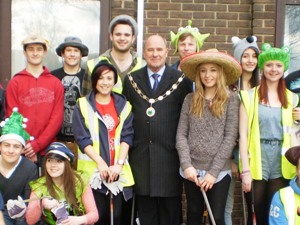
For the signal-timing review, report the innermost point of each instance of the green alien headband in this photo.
(194, 31)
(279, 54)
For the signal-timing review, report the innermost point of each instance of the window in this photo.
(53, 19)
(288, 30)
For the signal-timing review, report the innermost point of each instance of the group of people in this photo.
(117, 142)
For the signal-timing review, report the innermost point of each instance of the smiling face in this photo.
(273, 70)
(55, 168)
(105, 83)
(209, 73)
(187, 46)
(122, 37)
(11, 151)
(71, 56)
(249, 60)
(155, 52)
(35, 54)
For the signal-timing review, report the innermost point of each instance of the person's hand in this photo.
(114, 172)
(234, 170)
(115, 187)
(95, 181)
(16, 208)
(60, 213)
(49, 203)
(103, 170)
(296, 114)
(246, 181)
(191, 174)
(75, 220)
(33, 158)
(28, 151)
(207, 182)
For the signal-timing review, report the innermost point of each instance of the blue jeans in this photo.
(229, 203)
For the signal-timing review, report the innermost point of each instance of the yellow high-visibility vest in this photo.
(250, 102)
(291, 202)
(118, 88)
(91, 120)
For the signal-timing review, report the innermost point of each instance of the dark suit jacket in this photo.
(153, 157)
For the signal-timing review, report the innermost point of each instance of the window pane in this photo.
(292, 34)
(54, 19)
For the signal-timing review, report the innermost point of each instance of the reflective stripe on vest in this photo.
(118, 88)
(288, 199)
(250, 102)
(91, 119)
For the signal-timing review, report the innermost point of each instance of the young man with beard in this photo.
(71, 75)
(123, 31)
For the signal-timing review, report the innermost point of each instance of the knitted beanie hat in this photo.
(194, 31)
(13, 128)
(240, 45)
(278, 54)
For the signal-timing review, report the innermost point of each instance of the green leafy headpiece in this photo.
(194, 31)
(279, 54)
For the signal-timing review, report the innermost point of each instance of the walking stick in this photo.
(252, 206)
(111, 209)
(132, 210)
(244, 207)
(211, 216)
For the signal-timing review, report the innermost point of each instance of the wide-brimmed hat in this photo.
(73, 42)
(232, 68)
(293, 155)
(35, 39)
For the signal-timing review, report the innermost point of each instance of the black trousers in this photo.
(158, 210)
(103, 204)
(217, 197)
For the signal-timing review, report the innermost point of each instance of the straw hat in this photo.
(232, 68)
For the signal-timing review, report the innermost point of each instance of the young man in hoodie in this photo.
(39, 97)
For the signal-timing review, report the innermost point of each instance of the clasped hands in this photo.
(205, 183)
(111, 177)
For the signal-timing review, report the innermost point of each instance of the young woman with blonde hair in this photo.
(207, 131)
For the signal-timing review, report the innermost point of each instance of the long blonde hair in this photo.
(219, 100)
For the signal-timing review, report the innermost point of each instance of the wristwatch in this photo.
(120, 162)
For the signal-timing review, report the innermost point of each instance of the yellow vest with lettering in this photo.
(291, 202)
(118, 88)
(91, 119)
(254, 147)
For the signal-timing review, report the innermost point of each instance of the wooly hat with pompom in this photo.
(14, 128)
(240, 45)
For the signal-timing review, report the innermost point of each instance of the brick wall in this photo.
(221, 18)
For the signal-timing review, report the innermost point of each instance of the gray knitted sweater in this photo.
(206, 143)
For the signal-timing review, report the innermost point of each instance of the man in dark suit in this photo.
(156, 93)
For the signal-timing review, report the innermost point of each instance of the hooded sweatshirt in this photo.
(40, 100)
